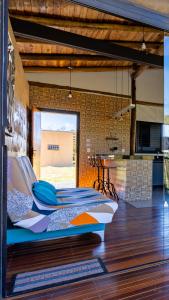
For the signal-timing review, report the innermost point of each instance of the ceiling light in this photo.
(70, 96)
(143, 45)
(124, 110)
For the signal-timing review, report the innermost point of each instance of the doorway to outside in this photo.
(58, 150)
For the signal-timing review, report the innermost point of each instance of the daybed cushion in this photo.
(20, 200)
(39, 217)
(44, 194)
(47, 185)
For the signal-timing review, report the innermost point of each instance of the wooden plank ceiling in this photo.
(156, 5)
(70, 17)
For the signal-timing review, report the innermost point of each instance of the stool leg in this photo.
(108, 179)
(103, 179)
(98, 182)
(113, 192)
(98, 178)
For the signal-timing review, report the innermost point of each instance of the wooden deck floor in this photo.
(135, 238)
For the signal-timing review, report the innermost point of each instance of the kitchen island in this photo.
(132, 178)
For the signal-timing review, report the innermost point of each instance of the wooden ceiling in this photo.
(156, 5)
(64, 15)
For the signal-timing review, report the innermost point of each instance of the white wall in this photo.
(99, 81)
(150, 113)
(149, 87)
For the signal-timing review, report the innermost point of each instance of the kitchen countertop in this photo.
(127, 157)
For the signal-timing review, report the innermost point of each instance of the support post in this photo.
(3, 148)
(133, 116)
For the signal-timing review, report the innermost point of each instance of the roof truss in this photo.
(35, 31)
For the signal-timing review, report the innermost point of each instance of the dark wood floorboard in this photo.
(136, 237)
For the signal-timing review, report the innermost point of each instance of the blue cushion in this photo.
(52, 188)
(48, 185)
(44, 194)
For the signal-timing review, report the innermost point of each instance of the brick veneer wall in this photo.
(96, 121)
(17, 144)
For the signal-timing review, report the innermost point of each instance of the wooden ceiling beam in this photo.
(127, 10)
(36, 69)
(93, 25)
(59, 57)
(56, 36)
(133, 43)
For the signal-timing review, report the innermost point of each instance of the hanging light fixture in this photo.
(70, 81)
(123, 110)
(143, 45)
(116, 86)
(121, 115)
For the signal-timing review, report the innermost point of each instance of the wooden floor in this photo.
(135, 238)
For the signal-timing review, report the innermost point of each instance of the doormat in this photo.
(57, 276)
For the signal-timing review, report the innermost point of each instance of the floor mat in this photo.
(46, 278)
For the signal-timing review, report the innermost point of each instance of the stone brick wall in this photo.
(17, 144)
(96, 121)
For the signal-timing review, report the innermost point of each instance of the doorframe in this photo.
(70, 112)
(3, 147)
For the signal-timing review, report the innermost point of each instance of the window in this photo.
(53, 147)
(148, 137)
(144, 134)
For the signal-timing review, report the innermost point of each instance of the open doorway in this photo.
(57, 152)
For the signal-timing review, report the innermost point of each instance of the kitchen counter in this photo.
(137, 156)
(132, 178)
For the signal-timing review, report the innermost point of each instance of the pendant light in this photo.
(121, 116)
(128, 89)
(143, 45)
(116, 84)
(70, 81)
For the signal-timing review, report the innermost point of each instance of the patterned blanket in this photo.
(27, 212)
(76, 206)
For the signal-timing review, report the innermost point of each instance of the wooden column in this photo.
(133, 116)
(3, 148)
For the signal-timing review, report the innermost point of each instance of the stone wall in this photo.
(18, 141)
(96, 121)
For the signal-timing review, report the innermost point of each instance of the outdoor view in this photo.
(58, 149)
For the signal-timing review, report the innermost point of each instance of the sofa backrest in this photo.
(17, 176)
(20, 197)
(28, 168)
